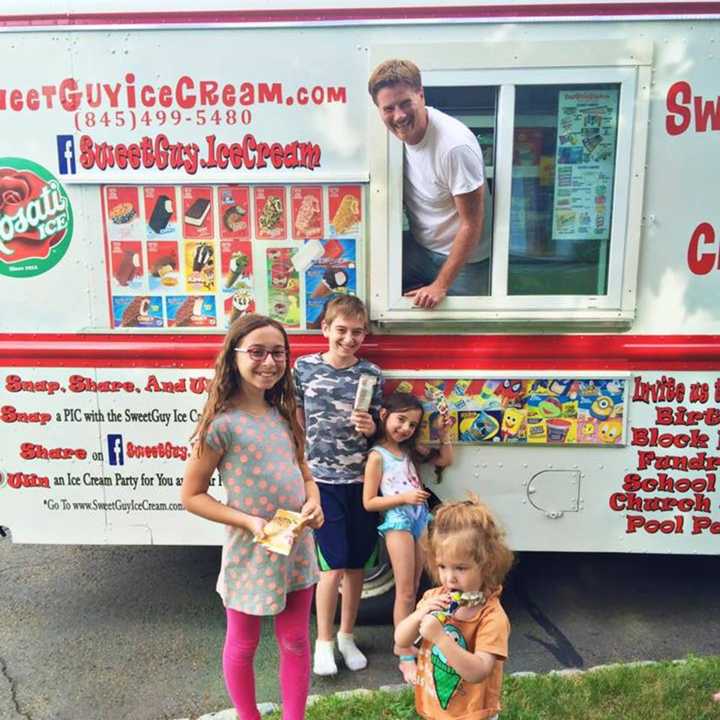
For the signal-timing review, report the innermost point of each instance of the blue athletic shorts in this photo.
(348, 539)
(411, 518)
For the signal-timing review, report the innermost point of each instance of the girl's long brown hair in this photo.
(227, 384)
(468, 529)
(402, 402)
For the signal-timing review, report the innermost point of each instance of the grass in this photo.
(662, 691)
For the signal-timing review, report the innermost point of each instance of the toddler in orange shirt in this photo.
(463, 628)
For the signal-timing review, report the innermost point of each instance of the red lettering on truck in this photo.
(34, 451)
(682, 105)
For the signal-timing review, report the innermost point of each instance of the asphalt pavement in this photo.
(106, 633)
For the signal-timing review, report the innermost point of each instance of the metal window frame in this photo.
(508, 66)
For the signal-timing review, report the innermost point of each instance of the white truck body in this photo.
(95, 415)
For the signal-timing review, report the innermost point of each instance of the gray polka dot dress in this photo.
(260, 474)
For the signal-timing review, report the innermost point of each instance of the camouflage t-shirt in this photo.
(336, 452)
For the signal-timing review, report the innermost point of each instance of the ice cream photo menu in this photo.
(197, 257)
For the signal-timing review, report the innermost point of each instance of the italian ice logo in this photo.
(36, 220)
(446, 678)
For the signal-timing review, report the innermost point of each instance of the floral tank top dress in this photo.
(260, 474)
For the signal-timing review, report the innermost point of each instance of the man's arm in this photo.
(471, 210)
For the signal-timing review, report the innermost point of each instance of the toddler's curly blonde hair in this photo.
(466, 529)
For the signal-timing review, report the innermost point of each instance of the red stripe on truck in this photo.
(391, 352)
(392, 14)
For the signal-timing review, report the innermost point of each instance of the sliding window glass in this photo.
(564, 150)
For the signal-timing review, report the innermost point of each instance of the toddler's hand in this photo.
(437, 602)
(431, 629)
(417, 496)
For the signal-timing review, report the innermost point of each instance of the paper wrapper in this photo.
(440, 402)
(279, 534)
(363, 395)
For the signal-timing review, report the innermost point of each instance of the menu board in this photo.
(197, 257)
(585, 164)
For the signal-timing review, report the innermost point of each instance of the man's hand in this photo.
(429, 296)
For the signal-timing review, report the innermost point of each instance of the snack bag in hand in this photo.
(279, 534)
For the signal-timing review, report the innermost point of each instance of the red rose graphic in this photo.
(14, 189)
(17, 189)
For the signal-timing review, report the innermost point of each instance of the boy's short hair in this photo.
(394, 72)
(346, 305)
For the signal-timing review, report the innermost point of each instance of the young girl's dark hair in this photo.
(467, 529)
(227, 383)
(402, 402)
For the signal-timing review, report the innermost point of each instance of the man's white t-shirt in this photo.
(446, 162)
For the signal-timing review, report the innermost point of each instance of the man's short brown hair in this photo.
(394, 72)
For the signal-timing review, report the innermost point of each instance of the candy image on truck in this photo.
(137, 200)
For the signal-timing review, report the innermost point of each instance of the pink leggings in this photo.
(292, 630)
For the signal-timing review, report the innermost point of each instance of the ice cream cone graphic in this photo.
(322, 289)
(333, 279)
(445, 678)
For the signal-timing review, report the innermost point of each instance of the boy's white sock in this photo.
(352, 656)
(324, 658)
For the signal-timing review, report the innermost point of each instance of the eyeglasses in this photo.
(258, 354)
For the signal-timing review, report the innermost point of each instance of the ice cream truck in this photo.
(165, 171)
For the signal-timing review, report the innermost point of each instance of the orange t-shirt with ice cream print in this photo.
(440, 693)
(260, 473)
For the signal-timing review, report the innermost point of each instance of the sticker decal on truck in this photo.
(36, 219)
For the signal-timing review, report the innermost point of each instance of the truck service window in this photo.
(561, 207)
(563, 148)
(563, 164)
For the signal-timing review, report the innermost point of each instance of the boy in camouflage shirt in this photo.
(337, 447)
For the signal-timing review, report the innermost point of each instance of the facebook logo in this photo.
(115, 449)
(66, 154)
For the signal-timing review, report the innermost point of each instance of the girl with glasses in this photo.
(249, 432)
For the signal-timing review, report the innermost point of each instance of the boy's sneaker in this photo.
(324, 658)
(352, 656)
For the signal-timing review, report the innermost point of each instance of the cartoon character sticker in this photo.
(513, 428)
(542, 411)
